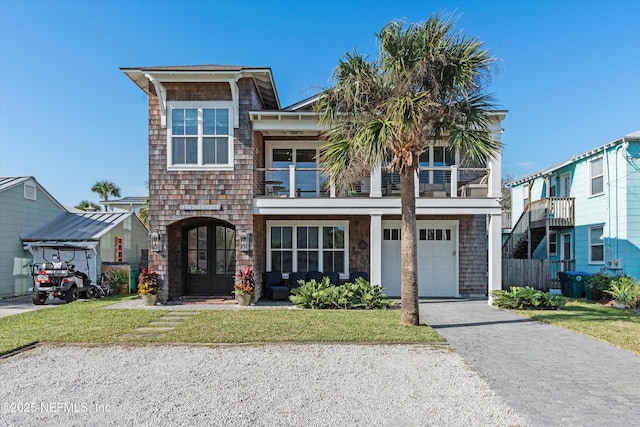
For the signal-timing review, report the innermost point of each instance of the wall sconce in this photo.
(362, 244)
(245, 242)
(156, 242)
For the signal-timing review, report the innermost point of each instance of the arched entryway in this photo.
(208, 257)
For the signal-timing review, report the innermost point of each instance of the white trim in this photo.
(592, 177)
(592, 244)
(308, 223)
(200, 105)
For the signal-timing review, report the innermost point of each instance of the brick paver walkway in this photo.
(549, 375)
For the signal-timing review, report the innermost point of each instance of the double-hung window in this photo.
(596, 245)
(596, 175)
(200, 135)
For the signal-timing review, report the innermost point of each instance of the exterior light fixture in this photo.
(245, 242)
(156, 242)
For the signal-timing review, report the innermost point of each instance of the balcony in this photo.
(431, 182)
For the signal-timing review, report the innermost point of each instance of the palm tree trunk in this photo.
(410, 310)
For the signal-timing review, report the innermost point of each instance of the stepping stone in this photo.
(154, 329)
(173, 319)
(160, 323)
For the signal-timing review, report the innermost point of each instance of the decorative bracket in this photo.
(161, 91)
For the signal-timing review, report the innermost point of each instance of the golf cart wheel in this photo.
(71, 295)
(39, 299)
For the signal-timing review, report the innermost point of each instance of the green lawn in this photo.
(615, 326)
(88, 322)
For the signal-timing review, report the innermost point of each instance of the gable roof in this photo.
(633, 136)
(78, 226)
(7, 182)
(262, 77)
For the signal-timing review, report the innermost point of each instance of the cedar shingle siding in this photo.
(232, 190)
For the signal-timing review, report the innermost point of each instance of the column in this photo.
(375, 249)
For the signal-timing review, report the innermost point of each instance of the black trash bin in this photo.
(564, 283)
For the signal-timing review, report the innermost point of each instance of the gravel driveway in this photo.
(247, 385)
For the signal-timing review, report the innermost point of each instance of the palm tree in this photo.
(86, 205)
(426, 84)
(105, 189)
(143, 214)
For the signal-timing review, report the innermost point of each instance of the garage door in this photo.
(437, 258)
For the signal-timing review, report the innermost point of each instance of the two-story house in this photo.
(582, 214)
(234, 181)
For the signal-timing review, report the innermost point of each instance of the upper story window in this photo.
(596, 176)
(200, 135)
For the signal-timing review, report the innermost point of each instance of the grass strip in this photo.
(87, 322)
(615, 326)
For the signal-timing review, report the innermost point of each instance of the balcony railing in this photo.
(431, 182)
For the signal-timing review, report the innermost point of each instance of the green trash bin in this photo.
(577, 283)
(133, 283)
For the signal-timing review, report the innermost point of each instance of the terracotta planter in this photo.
(243, 300)
(148, 299)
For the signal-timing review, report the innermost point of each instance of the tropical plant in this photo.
(148, 282)
(526, 298)
(116, 280)
(143, 214)
(600, 284)
(105, 189)
(245, 283)
(426, 85)
(323, 295)
(86, 205)
(625, 291)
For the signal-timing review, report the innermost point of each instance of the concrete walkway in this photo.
(23, 304)
(549, 375)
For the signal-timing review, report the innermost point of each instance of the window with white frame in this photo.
(596, 245)
(200, 135)
(596, 176)
(307, 246)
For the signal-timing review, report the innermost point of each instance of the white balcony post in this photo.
(416, 183)
(332, 189)
(454, 180)
(292, 181)
(495, 253)
(495, 165)
(376, 181)
(375, 245)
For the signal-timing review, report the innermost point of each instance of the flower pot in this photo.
(148, 299)
(243, 300)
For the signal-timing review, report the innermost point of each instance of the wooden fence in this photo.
(537, 273)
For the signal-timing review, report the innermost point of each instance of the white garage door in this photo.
(437, 258)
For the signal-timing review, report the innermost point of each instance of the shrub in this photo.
(600, 284)
(527, 298)
(323, 295)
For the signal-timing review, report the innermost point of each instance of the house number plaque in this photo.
(200, 207)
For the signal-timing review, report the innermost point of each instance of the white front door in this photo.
(437, 258)
(565, 185)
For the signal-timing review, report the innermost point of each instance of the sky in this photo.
(568, 72)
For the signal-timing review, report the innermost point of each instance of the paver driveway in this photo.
(549, 375)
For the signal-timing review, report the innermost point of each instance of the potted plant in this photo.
(244, 286)
(148, 287)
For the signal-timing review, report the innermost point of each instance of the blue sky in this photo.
(569, 72)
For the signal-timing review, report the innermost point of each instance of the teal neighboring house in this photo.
(582, 214)
(25, 205)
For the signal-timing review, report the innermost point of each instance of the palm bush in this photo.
(357, 295)
(526, 298)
